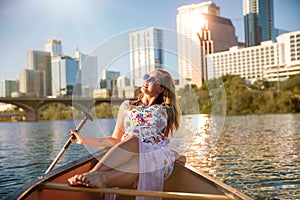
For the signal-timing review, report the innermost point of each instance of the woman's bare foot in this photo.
(92, 179)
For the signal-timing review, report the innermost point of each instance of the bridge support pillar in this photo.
(31, 116)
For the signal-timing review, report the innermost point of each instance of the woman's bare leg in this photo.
(126, 175)
(121, 159)
(118, 155)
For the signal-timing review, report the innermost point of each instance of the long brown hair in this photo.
(169, 97)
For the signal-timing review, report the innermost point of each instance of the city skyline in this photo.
(19, 35)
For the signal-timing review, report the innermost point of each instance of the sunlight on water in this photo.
(258, 155)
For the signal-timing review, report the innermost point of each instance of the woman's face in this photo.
(151, 85)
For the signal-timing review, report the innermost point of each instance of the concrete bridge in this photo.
(31, 105)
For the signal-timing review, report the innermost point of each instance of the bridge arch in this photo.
(31, 105)
(57, 111)
(30, 112)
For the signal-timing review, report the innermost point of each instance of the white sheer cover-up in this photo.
(156, 159)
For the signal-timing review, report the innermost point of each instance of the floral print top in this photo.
(148, 123)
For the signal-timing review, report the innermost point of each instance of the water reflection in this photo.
(191, 126)
(257, 154)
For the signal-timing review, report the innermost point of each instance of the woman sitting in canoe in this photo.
(140, 153)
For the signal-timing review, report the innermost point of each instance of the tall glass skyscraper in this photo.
(201, 31)
(146, 53)
(88, 76)
(258, 21)
(65, 70)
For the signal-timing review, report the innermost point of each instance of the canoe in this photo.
(185, 183)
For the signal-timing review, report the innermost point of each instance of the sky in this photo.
(84, 24)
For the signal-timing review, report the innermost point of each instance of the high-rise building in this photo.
(108, 84)
(122, 83)
(64, 69)
(272, 61)
(41, 61)
(258, 21)
(146, 53)
(110, 75)
(54, 47)
(201, 31)
(32, 82)
(290, 53)
(109, 79)
(88, 77)
(8, 87)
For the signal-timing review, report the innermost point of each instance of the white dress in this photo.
(149, 123)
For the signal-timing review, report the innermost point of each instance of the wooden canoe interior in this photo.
(181, 180)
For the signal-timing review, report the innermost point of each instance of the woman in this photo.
(140, 153)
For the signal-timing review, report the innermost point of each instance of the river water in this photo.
(257, 154)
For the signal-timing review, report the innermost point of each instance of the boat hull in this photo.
(184, 183)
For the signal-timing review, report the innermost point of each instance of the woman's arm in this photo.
(107, 141)
(98, 142)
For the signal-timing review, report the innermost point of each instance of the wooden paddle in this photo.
(67, 144)
(132, 192)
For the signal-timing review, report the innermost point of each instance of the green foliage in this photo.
(296, 90)
(217, 96)
(284, 102)
(233, 94)
(56, 111)
(189, 100)
(104, 110)
(291, 83)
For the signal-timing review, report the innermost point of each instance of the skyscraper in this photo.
(146, 53)
(8, 87)
(32, 82)
(201, 31)
(54, 47)
(258, 21)
(65, 70)
(271, 61)
(41, 60)
(88, 77)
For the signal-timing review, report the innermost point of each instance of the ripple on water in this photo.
(257, 154)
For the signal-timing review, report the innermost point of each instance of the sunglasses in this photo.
(150, 79)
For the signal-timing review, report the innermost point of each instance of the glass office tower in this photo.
(146, 53)
(65, 70)
(258, 21)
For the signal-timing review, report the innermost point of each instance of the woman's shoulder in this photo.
(124, 104)
(129, 103)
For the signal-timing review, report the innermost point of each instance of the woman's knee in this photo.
(131, 144)
(131, 138)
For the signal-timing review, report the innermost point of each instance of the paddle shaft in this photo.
(132, 192)
(67, 144)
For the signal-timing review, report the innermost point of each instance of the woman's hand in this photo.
(76, 137)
